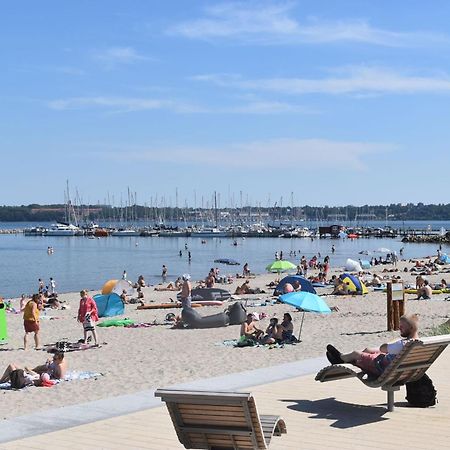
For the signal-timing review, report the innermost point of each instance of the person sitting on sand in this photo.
(273, 332)
(424, 292)
(210, 280)
(375, 360)
(297, 286)
(442, 285)
(286, 328)
(124, 297)
(56, 368)
(375, 281)
(88, 315)
(341, 288)
(249, 328)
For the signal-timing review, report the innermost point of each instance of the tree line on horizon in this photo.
(337, 214)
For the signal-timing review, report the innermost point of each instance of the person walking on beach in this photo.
(52, 286)
(375, 360)
(40, 286)
(88, 315)
(31, 320)
(186, 290)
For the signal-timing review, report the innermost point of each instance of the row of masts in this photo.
(160, 210)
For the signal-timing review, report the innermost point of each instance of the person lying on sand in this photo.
(246, 289)
(375, 360)
(56, 369)
(249, 328)
(30, 377)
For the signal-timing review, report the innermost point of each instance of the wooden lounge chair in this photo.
(219, 420)
(409, 365)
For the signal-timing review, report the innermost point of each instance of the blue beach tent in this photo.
(304, 283)
(109, 305)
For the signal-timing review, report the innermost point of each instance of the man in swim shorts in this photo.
(31, 320)
(375, 361)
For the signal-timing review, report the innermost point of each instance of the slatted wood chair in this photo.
(219, 420)
(409, 365)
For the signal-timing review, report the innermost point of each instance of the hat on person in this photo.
(186, 277)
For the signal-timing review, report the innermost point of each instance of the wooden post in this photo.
(395, 304)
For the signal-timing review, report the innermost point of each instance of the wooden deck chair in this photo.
(409, 365)
(219, 420)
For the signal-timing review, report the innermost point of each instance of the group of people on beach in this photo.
(275, 333)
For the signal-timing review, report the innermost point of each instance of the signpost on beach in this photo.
(395, 304)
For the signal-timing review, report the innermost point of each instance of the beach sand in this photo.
(136, 359)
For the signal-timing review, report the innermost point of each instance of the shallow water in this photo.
(79, 262)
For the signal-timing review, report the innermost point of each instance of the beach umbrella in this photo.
(280, 265)
(306, 302)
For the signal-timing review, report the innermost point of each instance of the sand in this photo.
(142, 358)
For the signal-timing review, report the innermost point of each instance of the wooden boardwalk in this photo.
(337, 415)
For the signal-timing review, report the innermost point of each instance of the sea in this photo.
(81, 263)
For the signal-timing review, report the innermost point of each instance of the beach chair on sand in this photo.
(219, 420)
(409, 365)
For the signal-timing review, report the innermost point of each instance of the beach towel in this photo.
(116, 323)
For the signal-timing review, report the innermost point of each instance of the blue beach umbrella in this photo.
(306, 302)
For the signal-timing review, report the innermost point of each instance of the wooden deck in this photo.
(339, 415)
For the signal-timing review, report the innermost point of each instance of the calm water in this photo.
(80, 262)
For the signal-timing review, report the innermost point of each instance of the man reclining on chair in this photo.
(374, 361)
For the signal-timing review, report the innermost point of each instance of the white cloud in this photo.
(274, 23)
(298, 153)
(350, 80)
(132, 104)
(121, 104)
(114, 56)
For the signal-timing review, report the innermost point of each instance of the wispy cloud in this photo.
(114, 56)
(350, 80)
(274, 23)
(133, 104)
(121, 104)
(264, 154)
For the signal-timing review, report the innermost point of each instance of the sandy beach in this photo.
(133, 359)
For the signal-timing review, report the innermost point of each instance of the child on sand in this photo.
(88, 315)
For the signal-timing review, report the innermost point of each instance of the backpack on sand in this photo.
(421, 393)
(17, 378)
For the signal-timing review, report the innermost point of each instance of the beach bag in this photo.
(421, 393)
(245, 342)
(17, 379)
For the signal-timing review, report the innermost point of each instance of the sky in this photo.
(303, 102)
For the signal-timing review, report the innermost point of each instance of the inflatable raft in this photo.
(209, 294)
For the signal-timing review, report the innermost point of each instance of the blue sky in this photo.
(338, 102)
